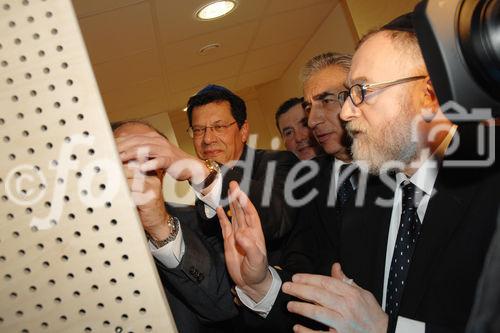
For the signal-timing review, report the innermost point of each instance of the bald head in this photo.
(405, 43)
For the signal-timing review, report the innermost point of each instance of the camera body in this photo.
(460, 42)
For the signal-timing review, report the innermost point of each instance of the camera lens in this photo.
(479, 36)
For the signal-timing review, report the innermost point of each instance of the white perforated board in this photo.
(73, 256)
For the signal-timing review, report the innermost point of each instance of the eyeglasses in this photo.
(357, 92)
(199, 131)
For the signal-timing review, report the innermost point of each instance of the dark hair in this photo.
(117, 124)
(213, 93)
(287, 105)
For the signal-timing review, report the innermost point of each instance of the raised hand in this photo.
(158, 153)
(244, 245)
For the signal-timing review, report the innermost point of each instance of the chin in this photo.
(306, 155)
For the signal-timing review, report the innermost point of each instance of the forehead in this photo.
(132, 129)
(376, 60)
(330, 78)
(293, 116)
(214, 111)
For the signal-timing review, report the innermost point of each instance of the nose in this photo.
(209, 136)
(316, 116)
(349, 111)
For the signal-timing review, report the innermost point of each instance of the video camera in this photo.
(460, 42)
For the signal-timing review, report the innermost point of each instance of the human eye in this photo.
(328, 99)
(219, 127)
(306, 107)
(287, 133)
(198, 130)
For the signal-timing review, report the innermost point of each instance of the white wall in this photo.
(337, 24)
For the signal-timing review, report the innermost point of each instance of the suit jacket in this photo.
(485, 314)
(198, 289)
(447, 261)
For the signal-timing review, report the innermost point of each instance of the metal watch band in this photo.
(173, 222)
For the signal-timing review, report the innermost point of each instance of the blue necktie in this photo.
(408, 232)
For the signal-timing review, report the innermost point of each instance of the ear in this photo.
(244, 131)
(430, 103)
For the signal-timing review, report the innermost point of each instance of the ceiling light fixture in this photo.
(209, 47)
(216, 9)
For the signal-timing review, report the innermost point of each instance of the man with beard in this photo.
(410, 258)
(291, 121)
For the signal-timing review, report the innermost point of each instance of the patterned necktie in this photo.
(345, 190)
(408, 232)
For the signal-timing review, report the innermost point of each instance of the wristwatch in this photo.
(173, 222)
(213, 168)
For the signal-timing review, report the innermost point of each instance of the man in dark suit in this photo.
(322, 77)
(219, 129)
(410, 257)
(196, 284)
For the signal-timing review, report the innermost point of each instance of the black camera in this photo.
(460, 42)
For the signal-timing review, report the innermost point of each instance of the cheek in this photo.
(289, 143)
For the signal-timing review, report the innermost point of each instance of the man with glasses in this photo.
(416, 261)
(196, 307)
(219, 129)
(409, 259)
(291, 121)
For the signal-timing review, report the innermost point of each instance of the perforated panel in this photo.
(73, 256)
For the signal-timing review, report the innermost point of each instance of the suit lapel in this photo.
(327, 213)
(364, 239)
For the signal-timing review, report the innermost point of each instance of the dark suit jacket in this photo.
(198, 290)
(448, 258)
(485, 317)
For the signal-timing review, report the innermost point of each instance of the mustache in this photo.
(352, 127)
(304, 144)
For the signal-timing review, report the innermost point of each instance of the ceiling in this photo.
(145, 53)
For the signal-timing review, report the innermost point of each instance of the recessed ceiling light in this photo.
(216, 9)
(209, 47)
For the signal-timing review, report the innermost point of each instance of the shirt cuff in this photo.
(212, 198)
(405, 325)
(171, 253)
(266, 304)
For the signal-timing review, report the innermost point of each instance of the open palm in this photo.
(244, 243)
